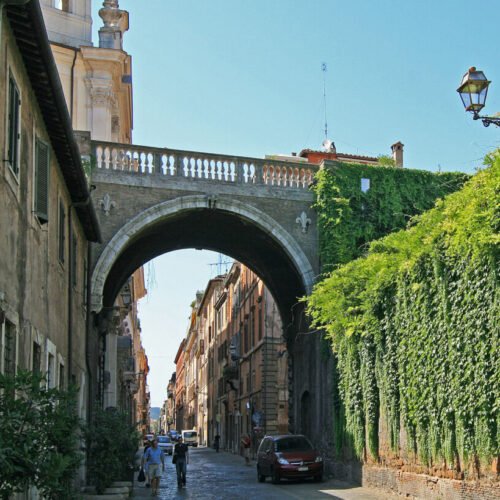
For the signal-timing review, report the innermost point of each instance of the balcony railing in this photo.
(172, 163)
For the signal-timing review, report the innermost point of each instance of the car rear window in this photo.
(189, 434)
(164, 439)
(293, 444)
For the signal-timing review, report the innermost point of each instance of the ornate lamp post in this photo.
(473, 91)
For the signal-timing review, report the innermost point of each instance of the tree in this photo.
(111, 444)
(39, 431)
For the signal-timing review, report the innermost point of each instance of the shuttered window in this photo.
(42, 181)
(13, 131)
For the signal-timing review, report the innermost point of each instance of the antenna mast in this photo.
(323, 69)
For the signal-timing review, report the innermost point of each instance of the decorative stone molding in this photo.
(107, 204)
(101, 92)
(304, 221)
(152, 215)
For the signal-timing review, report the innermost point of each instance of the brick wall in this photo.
(424, 486)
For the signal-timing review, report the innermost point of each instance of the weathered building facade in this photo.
(47, 220)
(236, 362)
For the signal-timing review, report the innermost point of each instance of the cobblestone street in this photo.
(212, 475)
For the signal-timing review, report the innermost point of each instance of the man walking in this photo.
(181, 459)
(153, 457)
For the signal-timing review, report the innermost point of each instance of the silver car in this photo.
(165, 444)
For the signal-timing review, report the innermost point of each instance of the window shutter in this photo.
(14, 103)
(42, 181)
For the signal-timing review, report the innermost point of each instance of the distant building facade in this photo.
(234, 362)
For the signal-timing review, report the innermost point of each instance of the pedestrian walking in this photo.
(181, 458)
(245, 443)
(217, 443)
(146, 447)
(153, 457)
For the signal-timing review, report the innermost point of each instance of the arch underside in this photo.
(218, 230)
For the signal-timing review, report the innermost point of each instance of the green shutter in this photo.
(13, 131)
(42, 181)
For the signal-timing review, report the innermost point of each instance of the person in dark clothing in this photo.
(181, 458)
(217, 443)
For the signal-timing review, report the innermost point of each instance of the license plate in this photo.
(303, 469)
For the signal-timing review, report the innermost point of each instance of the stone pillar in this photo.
(103, 106)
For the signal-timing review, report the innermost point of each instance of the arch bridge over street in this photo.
(151, 201)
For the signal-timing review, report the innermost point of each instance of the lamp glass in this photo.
(473, 90)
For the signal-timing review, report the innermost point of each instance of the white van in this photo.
(190, 438)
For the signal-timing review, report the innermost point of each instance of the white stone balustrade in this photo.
(143, 160)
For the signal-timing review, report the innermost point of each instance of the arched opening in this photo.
(248, 236)
(234, 229)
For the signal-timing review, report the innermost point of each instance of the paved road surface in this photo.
(225, 476)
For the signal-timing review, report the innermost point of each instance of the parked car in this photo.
(147, 439)
(190, 438)
(290, 456)
(174, 435)
(165, 444)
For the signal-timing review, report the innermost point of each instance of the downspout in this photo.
(71, 272)
(72, 91)
(88, 332)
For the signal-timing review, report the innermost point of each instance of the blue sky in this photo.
(244, 77)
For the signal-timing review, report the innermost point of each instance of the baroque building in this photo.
(97, 86)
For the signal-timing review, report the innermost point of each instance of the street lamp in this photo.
(473, 91)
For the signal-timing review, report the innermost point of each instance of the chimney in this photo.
(397, 153)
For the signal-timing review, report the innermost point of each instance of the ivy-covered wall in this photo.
(415, 324)
(349, 218)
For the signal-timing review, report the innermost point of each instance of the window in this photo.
(62, 231)
(41, 181)
(13, 126)
(50, 372)
(61, 376)
(9, 352)
(260, 321)
(37, 358)
(365, 185)
(62, 5)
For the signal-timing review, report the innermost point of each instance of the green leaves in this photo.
(414, 323)
(38, 437)
(112, 442)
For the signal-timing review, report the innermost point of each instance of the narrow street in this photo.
(223, 475)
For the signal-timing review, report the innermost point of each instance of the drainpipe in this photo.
(71, 272)
(88, 332)
(72, 90)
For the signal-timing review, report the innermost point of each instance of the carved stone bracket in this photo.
(107, 204)
(304, 221)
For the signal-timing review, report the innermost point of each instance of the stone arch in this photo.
(154, 215)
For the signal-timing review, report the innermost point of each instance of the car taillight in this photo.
(319, 459)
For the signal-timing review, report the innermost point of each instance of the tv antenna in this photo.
(323, 69)
(220, 264)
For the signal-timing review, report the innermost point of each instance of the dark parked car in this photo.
(174, 435)
(288, 456)
(165, 444)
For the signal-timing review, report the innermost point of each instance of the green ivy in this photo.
(350, 218)
(414, 323)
